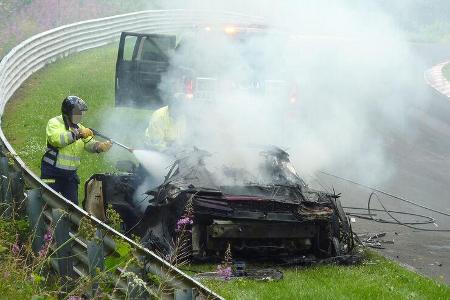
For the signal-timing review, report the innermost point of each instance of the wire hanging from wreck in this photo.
(369, 216)
(388, 194)
(398, 221)
(391, 212)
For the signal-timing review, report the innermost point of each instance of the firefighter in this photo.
(66, 139)
(166, 128)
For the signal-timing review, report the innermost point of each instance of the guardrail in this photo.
(436, 79)
(76, 254)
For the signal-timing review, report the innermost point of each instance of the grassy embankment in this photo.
(91, 76)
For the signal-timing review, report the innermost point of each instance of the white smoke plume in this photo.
(351, 66)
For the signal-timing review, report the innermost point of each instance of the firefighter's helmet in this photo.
(73, 109)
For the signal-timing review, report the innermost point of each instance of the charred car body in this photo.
(275, 215)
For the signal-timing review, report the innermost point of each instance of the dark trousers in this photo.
(66, 182)
(68, 187)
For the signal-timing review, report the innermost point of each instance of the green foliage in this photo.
(123, 248)
(123, 251)
(113, 218)
(156, 279)
(18, 280)
(24, 275)
(23, 227)
(437, 31)
(42, 297)
(86, 230)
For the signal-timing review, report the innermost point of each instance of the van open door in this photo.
(141, 61)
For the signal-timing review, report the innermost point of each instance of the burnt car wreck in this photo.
(274, 216)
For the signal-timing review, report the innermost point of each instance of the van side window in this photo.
(155, 49)
(130, 42)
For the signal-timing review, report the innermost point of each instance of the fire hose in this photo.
(97, 133)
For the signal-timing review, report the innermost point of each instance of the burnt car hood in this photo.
(262, 203)
(285, 198)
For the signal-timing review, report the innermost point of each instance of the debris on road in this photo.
(254, 274)
(374, 240)
(348, 259)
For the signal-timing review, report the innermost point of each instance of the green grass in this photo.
(446, 71)
(376, 278)
(91, 76)
(16, 281)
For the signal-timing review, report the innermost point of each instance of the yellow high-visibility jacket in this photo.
(64, 151)
(163, 130)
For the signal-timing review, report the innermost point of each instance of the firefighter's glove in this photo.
(83, 133)
(104, 146)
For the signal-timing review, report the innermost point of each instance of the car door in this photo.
(141, 61)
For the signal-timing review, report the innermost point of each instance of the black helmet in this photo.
(73, 105)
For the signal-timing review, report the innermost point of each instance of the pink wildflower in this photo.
(42, 252)
(181, 224)
(48, 236)
(224, 271)
(15, 249)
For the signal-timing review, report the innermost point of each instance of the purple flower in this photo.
(15, 249)
(42, 252)
(48, 236)
(183, 222)
(75, 298)
(224, 272)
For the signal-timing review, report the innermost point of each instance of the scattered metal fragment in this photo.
(254, 274)
(436, 263)
(374, 240)
(349, 259)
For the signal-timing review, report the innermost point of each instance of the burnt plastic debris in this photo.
(254, 274)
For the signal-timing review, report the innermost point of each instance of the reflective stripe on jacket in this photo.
(64, 151)
(162, 130)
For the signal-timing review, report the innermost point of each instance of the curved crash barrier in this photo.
(75, 250)
(435, 78)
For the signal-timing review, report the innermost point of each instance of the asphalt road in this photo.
(421, 173)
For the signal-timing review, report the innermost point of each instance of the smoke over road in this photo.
(350, 64)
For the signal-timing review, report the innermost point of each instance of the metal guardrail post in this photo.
(17, 186)
(5, 194)
(35, 208)
(135, 291)
(184, 294)
(62, 225)
(4, 166)
(96, 258)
